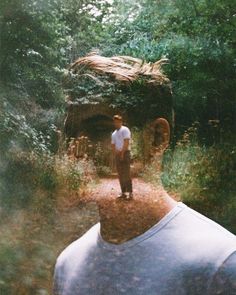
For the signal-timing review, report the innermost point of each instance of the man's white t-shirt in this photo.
(118, 136)
(185, 253)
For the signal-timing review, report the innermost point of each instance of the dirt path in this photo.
(110, 187)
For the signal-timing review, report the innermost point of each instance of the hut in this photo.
(98, 87)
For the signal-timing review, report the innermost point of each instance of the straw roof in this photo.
(122, 68)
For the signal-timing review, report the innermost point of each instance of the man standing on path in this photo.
(120, 142)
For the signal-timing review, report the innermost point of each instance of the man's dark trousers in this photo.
(123, 169)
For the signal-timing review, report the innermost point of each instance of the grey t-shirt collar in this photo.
(151, 231)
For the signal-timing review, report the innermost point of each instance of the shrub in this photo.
(27, 175)
(40, 215)
(203, 176)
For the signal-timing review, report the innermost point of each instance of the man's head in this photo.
(117, 119)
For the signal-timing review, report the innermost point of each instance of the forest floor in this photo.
(42, 232)
(78, 213)
(111, 187)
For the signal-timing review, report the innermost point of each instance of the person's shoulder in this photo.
(210, 224)
(81, 245)
(202, 244)
(207, 234)
(124, 127)
(125, 130)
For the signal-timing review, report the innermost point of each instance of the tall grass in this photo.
(202, 176)
(40, 213)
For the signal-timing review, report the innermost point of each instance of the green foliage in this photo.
(203, 176)
(36, 194)
(38, 40)
(197, 37)
(17, 133)
(101, 159)
(29, 55)
(137, 144)
(24, 175)
(8, 257)
(74, 174)
(103, 171)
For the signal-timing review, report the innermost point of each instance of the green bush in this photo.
(202, 176)
(103, 171)
(39, 195)
(25, 175)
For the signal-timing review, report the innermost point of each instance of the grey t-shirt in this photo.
(185, 253)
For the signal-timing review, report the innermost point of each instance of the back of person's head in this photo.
(117, 117)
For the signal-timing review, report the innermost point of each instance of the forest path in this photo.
(111, 187)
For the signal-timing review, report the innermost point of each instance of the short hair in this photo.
(117, 117)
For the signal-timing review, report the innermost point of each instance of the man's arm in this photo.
(224, 281)
(125, 145)
(113, 146)
(126, 136)
(124, 148)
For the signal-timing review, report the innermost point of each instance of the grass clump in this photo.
(202, 176)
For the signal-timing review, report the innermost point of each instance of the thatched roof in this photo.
(122, 68)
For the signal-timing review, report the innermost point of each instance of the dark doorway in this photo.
(97, 128)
